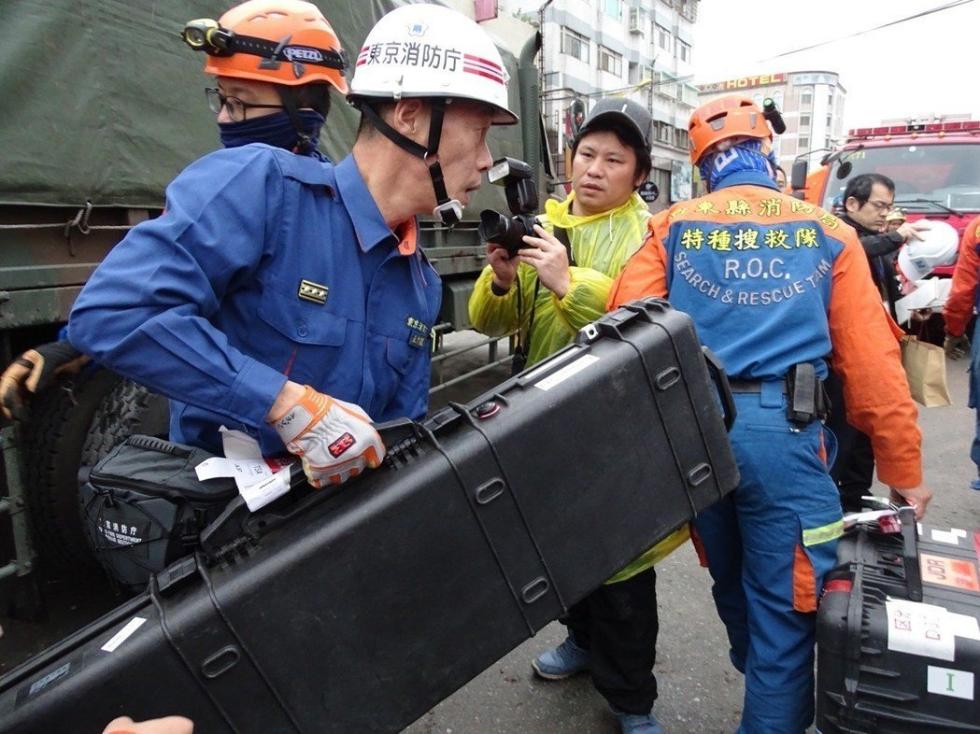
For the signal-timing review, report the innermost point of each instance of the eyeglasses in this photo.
(237, 109)
(880, 206)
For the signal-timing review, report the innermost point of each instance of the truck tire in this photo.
(74, 424)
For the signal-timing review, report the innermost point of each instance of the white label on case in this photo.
(964, 625)
(946, 536)
(920, 629)
(949, 682)
(572, 368)
(122, 635)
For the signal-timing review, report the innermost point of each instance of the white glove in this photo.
(335, 439)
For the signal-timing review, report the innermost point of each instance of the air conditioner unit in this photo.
(637, 21)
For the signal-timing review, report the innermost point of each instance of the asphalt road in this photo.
(700, 693)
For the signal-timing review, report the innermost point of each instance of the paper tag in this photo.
(956, 573)
(949, 682)
(919, 629)
(122, 635)
(259, 480)
(573, 368)
(259, 495)
(238, 445)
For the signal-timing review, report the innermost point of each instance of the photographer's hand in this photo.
(550, 258)
(504, 267)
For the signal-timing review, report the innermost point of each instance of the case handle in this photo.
(910, 553)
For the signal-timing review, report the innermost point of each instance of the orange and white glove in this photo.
(335, 439)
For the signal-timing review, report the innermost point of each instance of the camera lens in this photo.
(501, 230)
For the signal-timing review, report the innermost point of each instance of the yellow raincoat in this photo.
(601, 244)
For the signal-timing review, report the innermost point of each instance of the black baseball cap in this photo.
(634, 115)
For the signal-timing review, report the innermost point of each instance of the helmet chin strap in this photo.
(449, 211)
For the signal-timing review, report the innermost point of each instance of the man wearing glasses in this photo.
(284, 296)
(868, 199)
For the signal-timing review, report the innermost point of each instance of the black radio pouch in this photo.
(806, 400)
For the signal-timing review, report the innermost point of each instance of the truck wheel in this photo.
(75, 424)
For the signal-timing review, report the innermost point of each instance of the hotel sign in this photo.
(745, 82)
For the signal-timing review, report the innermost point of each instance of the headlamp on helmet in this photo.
(204, 34)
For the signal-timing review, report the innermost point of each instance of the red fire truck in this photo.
(935, 167)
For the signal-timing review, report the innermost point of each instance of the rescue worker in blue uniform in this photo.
(775, 286)
(287, 297)
(252, 106)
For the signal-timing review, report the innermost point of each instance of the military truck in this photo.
(104, 106)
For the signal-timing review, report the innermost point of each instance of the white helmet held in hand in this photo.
(431, 51)
(938, 247)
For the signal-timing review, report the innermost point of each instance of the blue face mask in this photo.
(276, 130)
(744, 156)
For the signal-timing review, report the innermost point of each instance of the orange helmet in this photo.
(733, 116)
(277, 41)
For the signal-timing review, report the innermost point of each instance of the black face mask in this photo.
(276, 130)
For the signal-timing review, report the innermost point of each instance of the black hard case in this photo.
(864, 686)
(358, 610)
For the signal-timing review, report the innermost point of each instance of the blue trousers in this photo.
(768, 546)
(975, 394)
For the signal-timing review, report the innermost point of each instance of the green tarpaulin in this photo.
(102, 101)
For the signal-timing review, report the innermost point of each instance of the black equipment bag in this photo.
(144, 508)
(358, 609)
(898, 641)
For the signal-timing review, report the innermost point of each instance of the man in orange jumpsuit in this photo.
(776, 286)
(964, 297)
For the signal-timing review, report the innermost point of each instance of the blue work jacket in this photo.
(264, 266)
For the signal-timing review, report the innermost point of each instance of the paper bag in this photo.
(925, 367)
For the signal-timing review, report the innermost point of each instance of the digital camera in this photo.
(522, 198)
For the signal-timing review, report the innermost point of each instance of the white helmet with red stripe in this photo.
(431, 51)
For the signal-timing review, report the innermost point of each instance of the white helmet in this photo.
(431, 51)
(937, 247)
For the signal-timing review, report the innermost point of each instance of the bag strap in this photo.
(561, 234)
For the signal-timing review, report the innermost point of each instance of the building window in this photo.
(663, 131)
(574, 44)
(689, 95)
(663, 36)
(634, 73)
(806, 99)
(804, 144)
(613, 8)
(666, 85)
(610, 61)
(639, 73)
(829, 121)
(683, 51)
(683, 141)
(804, 121)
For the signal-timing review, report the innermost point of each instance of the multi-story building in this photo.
(811, 102)
(642, 49)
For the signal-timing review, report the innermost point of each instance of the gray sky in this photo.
(929, 65)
